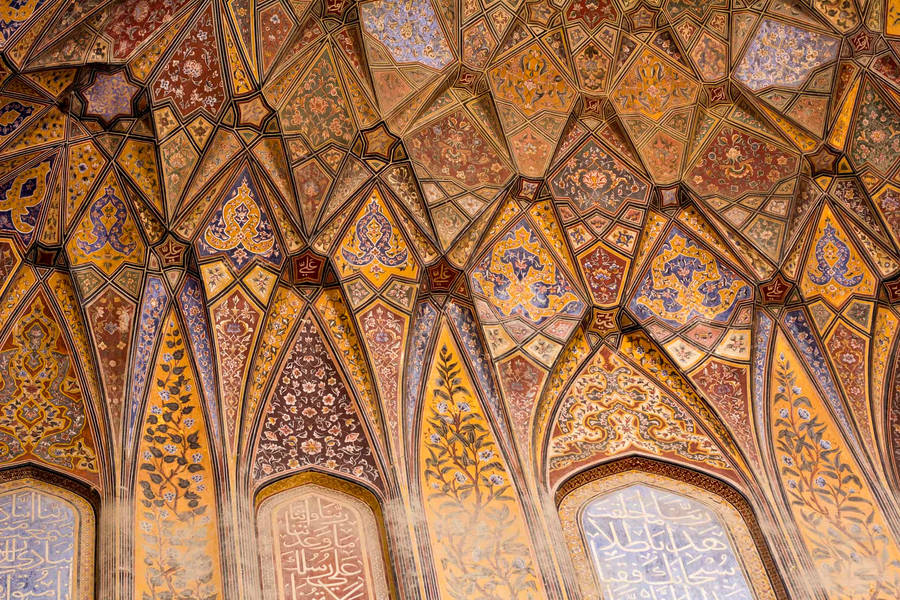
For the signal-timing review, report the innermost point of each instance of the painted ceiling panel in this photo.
(455, 252)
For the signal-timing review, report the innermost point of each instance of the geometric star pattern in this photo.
(449, 258)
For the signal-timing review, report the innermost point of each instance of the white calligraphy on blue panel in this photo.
(650, 544)
(37, 546)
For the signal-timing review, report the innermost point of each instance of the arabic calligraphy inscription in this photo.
(320, 544)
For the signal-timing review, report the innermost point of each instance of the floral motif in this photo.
(591, 12)
(192, 78)
(375, 247)
(834, 269)
(423, 323)
(686, 282)
(155, 300)
(653, 86)
(604, 271)
(111, 315)
(726, 387)
(310, 418)
(593, 178)
(849, 352)
(876, 139)
(520, 277)
(522, 382)
(42, 408)
(452, 146)
(177, 554)
(384, 332)
(735, 163)
(317, 107)
(611, 409)
(842, 526)
(480, 540)
(22, 198)
(240, 229)
(409, 29)
(14, 14)
(235, 322)
(131, 23)
(784, 55)
(110, 96)
(107, 235)
(531, 82)
(191, 300)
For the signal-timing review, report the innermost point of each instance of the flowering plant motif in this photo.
(483, 553)
(311, 418)
(843, 527)
(177, 533)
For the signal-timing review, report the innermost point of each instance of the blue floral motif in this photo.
(838, 271)
(380, 249)
(805, 340)
(14, 14)
(155, 301)
(519, 277)
(102, 232)
(22, 113)
(422, 328)
(685, 282)
(240, 228)
(192, 306)
(409, 29)
(22, 197)
(760, 358)
(784, 55)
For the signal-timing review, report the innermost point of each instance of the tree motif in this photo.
(177, 541)
(482, 551)
(843, 527)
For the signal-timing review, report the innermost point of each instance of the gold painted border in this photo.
(338, 484)
(51, 484)
(640, 465)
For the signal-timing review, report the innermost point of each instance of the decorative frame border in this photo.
(85, 501)
(338, 484)
(729, 497)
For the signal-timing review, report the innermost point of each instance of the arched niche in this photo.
(48, 531)
(638, 526)
(320, 534)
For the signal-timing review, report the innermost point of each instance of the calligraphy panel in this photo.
(640, 535)
(47, 548)
(319, 543)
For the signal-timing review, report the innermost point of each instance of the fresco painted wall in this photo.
(449, 299)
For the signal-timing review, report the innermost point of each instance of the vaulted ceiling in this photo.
(296, 230)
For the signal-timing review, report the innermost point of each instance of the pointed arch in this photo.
(299, 514)
(177, 550)
(719, 510)
(50, 522)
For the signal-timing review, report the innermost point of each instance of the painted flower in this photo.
(311, 447)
